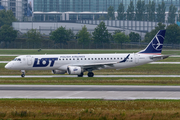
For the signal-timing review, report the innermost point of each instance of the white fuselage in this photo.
(62, 61)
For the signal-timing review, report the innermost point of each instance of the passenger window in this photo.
(91, 58)
(84, 58)
(73, 59)
(101, 58)
(98, 58)
(107, 58)
(114, 58)
(104, 58)
(81, 59)
(95, 58)
(70, 59)
(88, 58)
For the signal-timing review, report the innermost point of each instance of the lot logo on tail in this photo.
(157, 45)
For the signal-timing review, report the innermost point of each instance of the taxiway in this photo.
(108, 92)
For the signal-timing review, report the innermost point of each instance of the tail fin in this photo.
(156, 45)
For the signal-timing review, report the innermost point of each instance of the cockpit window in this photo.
(17, 59)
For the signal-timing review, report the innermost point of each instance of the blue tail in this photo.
(156, 45)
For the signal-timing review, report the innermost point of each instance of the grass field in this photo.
(90, 109)
(91, 81)
(62, 51)
(76, 51)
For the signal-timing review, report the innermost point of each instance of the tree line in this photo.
(172, 33)
(143, 12)
(62, 35)
(101, 35)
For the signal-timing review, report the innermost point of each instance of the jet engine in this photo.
(74, 70)
(58, 72)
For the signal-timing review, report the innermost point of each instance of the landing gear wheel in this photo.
(90, 74)
(81, 75)
(23, 75)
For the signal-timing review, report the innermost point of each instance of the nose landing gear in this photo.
(23, 73)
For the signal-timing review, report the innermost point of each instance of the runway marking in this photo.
(101, 76)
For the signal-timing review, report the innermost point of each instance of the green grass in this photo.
(62, 51)
(89, 109)
(7, 58)
(91, 81)
(76, 51)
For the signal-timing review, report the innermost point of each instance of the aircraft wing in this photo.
(96, 66)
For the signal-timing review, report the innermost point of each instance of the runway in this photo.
(100, 76)
(107, 92)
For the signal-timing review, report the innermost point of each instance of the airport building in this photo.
(51, 10)
(55, 10)
(19, 7)
(38, 13)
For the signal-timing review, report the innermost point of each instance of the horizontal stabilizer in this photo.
(159, 57)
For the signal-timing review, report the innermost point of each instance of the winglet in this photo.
(125, 59)
(156, 45)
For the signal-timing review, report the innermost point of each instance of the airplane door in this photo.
(29, 60)
(136, 56)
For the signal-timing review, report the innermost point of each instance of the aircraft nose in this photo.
(8, 66)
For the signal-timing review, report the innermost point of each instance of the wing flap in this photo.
(97, 64)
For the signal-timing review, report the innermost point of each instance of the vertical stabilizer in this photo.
(156, 45)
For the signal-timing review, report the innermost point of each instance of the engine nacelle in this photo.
(58, 72)
(74, 70)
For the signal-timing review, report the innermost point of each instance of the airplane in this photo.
(77, 64)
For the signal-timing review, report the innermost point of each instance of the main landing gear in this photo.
(23, 73)
(90, 74)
